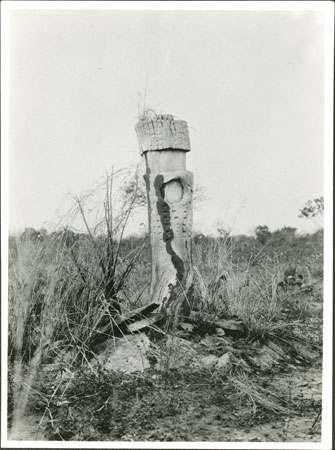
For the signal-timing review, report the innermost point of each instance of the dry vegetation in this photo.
(67, 290)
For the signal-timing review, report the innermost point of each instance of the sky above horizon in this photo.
(249, 84)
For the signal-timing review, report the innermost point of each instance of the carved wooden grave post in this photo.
(164, 142)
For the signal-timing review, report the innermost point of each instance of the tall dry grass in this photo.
(248, 289)
(66, 290)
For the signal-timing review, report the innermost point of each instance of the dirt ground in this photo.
(212, 423)
(204, 420)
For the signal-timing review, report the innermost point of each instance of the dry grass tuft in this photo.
(246, 389)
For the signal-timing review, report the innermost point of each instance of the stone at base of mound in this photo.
(180, 353)
(126, 355)
(265, 358)
(223, 363)
(209, 360)
(175, 352)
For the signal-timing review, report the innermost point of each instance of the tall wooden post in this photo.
(164, 142)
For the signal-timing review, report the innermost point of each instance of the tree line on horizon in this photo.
(313, 209)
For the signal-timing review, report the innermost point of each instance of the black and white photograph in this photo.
(166, 224)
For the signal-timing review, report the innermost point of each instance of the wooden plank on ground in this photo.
(230, 324)
(137, 313)
(226, 324)
(144, 323)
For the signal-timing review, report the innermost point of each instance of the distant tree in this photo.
(29, 234)
(262, 233)
(65, 236)
(283, 236)
(33, 235)
(288, 231)
(198, 237)
(312, 209)
(42, 234)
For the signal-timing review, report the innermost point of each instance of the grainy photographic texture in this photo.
(166, 201)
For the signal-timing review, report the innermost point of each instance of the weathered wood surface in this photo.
(160, 132)
(147, 315)
(164, 141)
(145, 323)
(138, 313)
(225, 324)
(122, 324)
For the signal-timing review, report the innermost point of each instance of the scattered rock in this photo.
(128, 354)
(265, 358)
(303, 352)
(220, 332)
(225, 362)
(209, 360)
(277, 350)
(187, 327)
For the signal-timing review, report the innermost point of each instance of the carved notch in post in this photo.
(164, 142)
